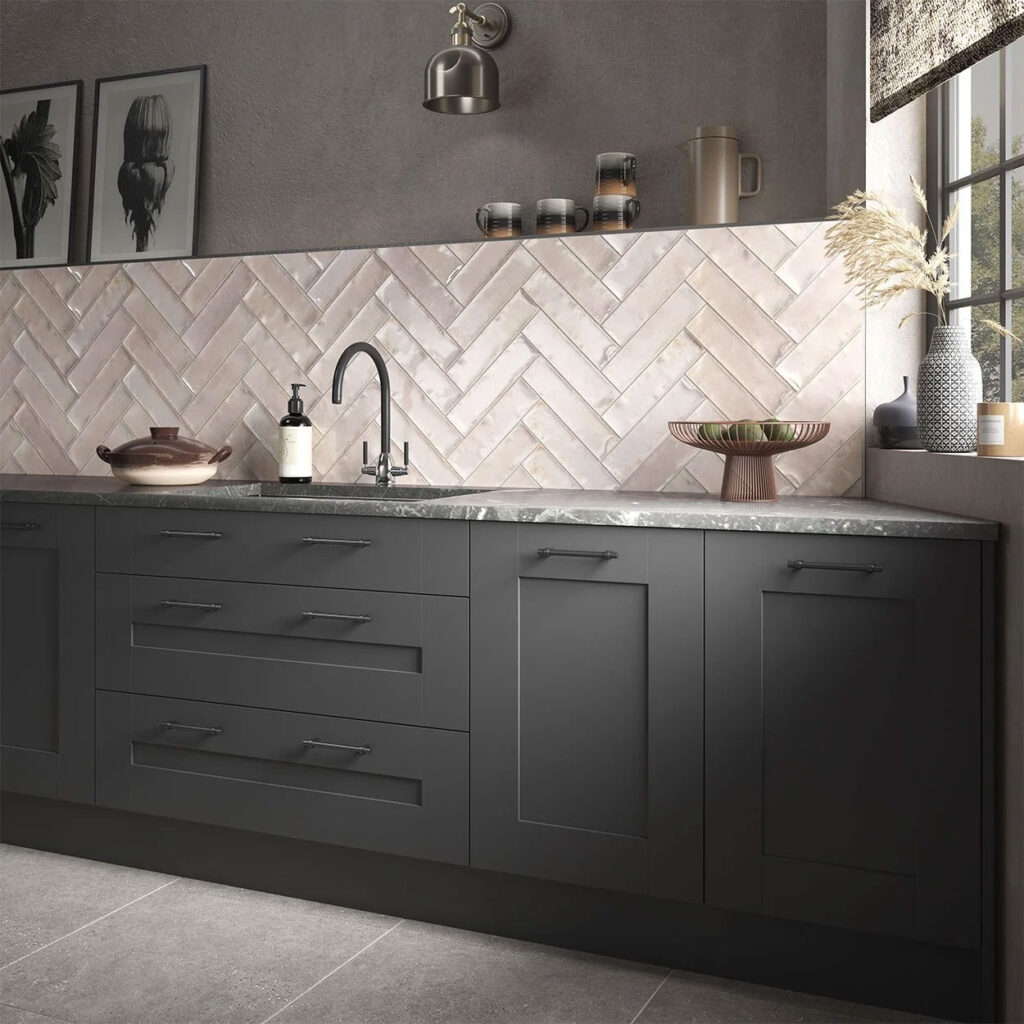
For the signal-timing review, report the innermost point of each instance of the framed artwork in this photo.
(145, 165)
(38, 156)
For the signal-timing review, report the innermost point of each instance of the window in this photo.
(978, 148)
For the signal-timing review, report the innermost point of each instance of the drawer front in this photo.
(359, 552)
(29, 526)
(615, 554)
(390, 788)
(856, 566)
(400, 658)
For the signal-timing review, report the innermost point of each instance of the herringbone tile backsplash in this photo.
(543, 362)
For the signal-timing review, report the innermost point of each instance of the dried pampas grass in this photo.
(885, 254)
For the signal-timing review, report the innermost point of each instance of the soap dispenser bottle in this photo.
(295, 443)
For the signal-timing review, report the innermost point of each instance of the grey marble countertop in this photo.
(842, 516)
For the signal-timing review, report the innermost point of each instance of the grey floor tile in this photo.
(16, 1015)
(701, 999)
(188, 955)
(46, 895)
(425, 974)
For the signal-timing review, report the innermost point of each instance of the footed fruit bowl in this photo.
(748, 447)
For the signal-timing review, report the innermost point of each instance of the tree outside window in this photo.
(980, 150)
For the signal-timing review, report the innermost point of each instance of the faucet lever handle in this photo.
(404, 469)
(367, 468)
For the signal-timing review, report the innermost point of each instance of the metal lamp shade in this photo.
(461, 80)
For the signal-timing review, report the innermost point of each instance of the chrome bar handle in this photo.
(20, 526)
(362, 543)
(198, 605)
(311, 744)
(210, 730)
(333, 615)
(562, 553)
(836, 566)
(201, 534)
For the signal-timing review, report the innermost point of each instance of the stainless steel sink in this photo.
(362, 492)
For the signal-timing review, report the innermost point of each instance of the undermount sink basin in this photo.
(362, 492)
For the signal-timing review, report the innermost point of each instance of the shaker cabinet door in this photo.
(843, 742)
(46, 651)
(585, 650)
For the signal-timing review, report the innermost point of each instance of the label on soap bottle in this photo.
(991, 430)
(295, 451)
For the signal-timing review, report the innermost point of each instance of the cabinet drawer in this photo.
(857, 566)
(400, 658)
(390, 788)
(615, 554)
(361, 552)
(30, 526)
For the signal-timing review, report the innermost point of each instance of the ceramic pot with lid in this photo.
(163, 459)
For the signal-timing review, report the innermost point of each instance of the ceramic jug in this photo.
(713, 175)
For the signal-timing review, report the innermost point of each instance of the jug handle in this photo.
(757, 177)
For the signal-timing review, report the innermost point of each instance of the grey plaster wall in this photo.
(316, 137)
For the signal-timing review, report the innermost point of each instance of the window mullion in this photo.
(1005, 217)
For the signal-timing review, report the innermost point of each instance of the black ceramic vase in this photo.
(896, 421)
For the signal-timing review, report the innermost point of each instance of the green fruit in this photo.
(711, 431)
(775, 430)
(745, 430)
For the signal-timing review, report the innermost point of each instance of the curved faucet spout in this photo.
(385, 386)
(383, 470)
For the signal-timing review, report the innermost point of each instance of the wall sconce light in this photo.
(462, 79)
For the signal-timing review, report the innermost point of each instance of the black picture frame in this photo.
(97, 252)
(71, 174)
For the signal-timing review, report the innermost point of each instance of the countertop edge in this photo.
(875, 520)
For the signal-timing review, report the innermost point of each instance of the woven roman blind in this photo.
(918, 44)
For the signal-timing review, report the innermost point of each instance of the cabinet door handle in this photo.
(192, 604)
(310, 744)
(201, 534)
(20, 526)
(361, 543)
(561, 553)
(836, 566)
(334, 615)
(210, 730)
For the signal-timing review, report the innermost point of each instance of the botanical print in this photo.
(146, 159)
(37, 155)
(147, 170)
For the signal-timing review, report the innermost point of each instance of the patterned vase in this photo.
(948, 392)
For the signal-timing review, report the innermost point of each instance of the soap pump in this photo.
(295, 443)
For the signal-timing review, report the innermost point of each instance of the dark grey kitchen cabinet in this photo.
(46, 650)
(400, 658)
(412, 556)
(843, 736)
(586, 668)
(389, 788)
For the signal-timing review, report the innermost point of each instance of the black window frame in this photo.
(940, 190)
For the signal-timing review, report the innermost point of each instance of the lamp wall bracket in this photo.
(490, 28)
